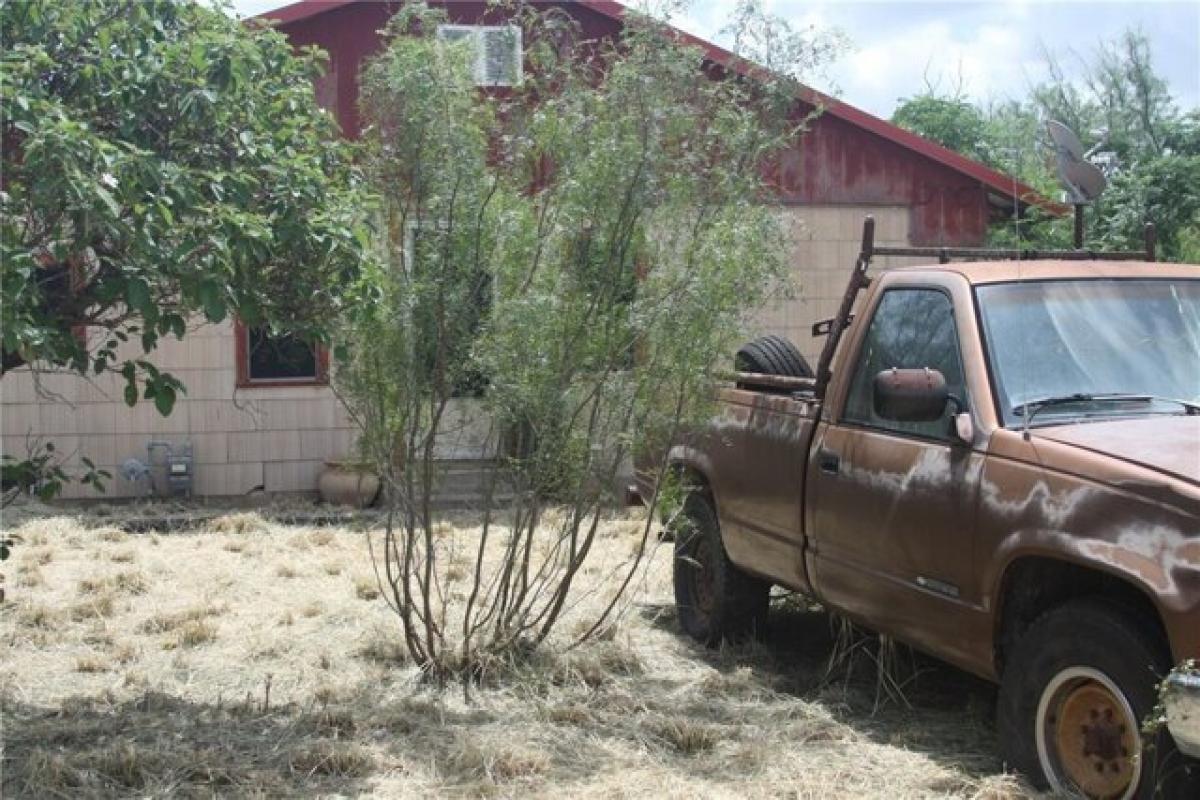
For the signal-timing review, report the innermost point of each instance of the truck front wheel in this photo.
(713, 598)
(1072, 699)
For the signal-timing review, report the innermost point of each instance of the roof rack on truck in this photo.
(832, 328)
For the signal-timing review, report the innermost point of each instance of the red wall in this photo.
(835, 162)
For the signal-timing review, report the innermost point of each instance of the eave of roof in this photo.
(1003, 185)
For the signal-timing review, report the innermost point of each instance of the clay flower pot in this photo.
(348, 483)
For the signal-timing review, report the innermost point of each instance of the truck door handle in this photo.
(829, 461)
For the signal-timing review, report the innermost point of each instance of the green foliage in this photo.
(162, 161)
(582, 248)
(1164, 190)
(1118, 104)
(41, 473)
(951, 121)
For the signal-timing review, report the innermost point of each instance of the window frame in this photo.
(246, 381)
(842, 412)
(477, 33)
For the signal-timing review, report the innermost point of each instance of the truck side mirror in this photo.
(910, 395)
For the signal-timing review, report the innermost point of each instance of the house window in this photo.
(497, 51)
(278, 359)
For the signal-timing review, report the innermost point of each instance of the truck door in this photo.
(891, 505)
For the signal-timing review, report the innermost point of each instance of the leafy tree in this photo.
(588, 242)
(951, 121)
(160, 161)
(1119, 105)
(1122, 106)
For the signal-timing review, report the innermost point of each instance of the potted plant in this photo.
(348, 483)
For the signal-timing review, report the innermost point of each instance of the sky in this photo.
(993, 49)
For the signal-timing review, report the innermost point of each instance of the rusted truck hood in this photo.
(1167, 444)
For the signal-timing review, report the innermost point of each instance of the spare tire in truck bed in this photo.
(772, 355)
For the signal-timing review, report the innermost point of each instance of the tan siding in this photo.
(278, 438)
(19, 419)
(238, 437)
(282, 476)
(825, 243)
(251, 446)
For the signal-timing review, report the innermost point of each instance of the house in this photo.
(259, 413)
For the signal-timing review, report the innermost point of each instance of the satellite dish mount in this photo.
(1082, 180)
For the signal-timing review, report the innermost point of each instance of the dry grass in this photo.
(129, 582)
(127, 556)
(244, 522)
(92, 662)
(258, 659)
(162, 622)
(366, 587)
(195, 633)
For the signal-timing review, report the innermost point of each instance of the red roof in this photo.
(1004, 185)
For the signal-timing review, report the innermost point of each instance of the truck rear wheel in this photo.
(772, 355)
(1072, 700)
(713, 598)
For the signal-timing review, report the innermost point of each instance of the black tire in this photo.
(1072, 658)
(714, 599)
(772, 355)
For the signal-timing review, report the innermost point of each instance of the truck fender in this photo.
(1139, 567)
(691, 459)
(1035, 570)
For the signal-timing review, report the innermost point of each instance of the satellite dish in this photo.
(1082, 179)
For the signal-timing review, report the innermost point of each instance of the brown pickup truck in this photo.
(998, 463)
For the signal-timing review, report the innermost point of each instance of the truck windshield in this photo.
(1051, 339)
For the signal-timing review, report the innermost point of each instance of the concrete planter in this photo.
(348, 483)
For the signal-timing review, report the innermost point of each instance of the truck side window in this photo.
(912, 328)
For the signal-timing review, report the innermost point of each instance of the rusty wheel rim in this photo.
(1087, 736)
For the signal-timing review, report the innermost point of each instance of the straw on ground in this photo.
(251, 658)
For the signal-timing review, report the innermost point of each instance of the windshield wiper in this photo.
(1189, 407)
(1030, 409)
